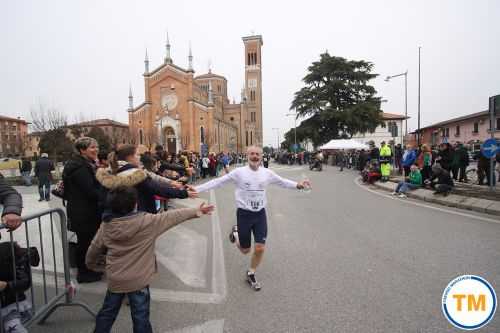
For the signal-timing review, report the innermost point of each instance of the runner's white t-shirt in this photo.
(250, 186)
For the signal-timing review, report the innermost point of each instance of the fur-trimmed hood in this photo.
(130, 176)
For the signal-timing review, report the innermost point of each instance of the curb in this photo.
(458, 201)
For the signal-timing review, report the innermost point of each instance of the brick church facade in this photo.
(182, 111)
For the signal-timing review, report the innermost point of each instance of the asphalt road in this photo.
(339, 259)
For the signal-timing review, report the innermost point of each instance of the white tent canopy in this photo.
(344, 144)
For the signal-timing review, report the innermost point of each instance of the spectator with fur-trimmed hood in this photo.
(125, 163)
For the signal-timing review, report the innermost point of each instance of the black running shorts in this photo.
(251, 222)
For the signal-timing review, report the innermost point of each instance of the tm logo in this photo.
(474, 304)
(469, 302)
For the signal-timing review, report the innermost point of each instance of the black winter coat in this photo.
(443, 178)
(25, 166)
(84, 195)
(22, 268)
(43, 167)
(446, 158)
(10, 199)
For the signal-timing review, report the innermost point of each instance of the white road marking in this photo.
(184, 252)
(212, 326)
(219, 281)
(444, 210)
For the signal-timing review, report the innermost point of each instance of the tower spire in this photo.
(209, 66)
(243, 96)
(168, 59)
(190, 59)
(146, 63)
(130, 98)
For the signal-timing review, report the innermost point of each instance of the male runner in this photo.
(251, 182)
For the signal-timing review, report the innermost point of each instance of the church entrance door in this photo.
(171, 140)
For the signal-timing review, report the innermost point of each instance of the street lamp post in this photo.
(405, 74)
(278, 137)
(418, 130)
(295, 126)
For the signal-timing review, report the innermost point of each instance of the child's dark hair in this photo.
(102, 155)
(122, 200)
(120, 153)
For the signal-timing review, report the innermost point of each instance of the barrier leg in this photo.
(49, 313)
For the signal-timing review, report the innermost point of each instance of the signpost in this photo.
(490, 148)
(492, 145)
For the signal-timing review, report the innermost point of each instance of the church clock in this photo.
(169, 101)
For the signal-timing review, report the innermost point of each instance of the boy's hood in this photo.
(124, 227)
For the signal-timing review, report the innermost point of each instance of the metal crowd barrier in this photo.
(60, 295)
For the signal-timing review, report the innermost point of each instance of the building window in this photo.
(252, 95)
(447, 132)
(251, 138)
(202, 134)
(476, 128)
(246, 138)
(141, 139)
(457, 131)
(232, 118)
(252, 58)
(498, 124)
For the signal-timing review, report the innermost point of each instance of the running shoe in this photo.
(252, 281)
(233, 234)
(402, 196)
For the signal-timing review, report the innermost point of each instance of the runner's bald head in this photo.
(255, 149)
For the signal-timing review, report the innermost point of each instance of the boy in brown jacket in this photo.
(127, 238)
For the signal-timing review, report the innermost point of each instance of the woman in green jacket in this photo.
(414, 181)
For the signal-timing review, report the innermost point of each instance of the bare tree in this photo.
(45, 118)
(52, 125)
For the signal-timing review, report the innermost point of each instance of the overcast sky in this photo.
(80, 56)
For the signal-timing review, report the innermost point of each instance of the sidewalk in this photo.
(452, 200)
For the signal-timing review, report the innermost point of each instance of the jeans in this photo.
(139, 309)
(26, 177)
(404, 187)
(44, 189)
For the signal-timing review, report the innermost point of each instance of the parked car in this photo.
(9, 163)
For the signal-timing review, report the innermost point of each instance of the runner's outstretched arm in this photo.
(287, 183)
(218, 182)
(283, 182)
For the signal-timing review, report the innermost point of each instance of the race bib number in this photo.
(255, 199)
